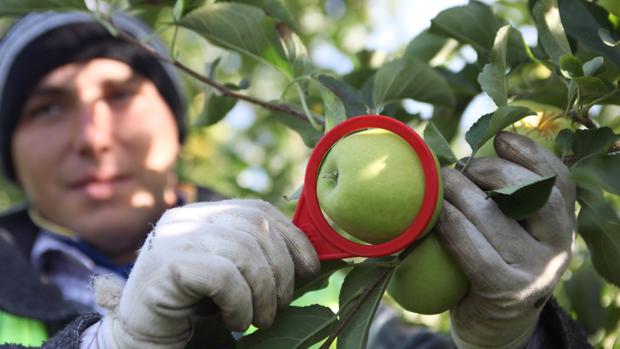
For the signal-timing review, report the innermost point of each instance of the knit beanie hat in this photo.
(41, 42)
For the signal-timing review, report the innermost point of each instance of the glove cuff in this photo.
(113, 334)
(472, 339)
(108, 289)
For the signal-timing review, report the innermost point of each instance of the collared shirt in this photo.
(71, 264)
(68, 268)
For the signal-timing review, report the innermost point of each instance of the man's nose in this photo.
(94, 129)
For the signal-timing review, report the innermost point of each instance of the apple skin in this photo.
(428, 281)
(370, 184)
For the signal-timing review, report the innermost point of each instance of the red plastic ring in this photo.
(350, 248)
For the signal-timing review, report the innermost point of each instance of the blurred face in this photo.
(94, 151)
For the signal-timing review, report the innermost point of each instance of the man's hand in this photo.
(241, 254)
(512, 266)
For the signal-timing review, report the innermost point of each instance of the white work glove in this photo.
(512, 267)
(241, 254)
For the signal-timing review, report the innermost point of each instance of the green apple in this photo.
(428, 281)
(371, 185)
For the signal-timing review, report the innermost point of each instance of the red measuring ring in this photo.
(309, 217)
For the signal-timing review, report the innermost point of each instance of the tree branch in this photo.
(278, 107)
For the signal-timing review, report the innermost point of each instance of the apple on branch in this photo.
(371, 185)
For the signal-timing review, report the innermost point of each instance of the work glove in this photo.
(512, 266)
(241, 254)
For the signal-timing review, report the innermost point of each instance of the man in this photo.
(90, 128)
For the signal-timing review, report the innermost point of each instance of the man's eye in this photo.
(121, 95)
(44, 110)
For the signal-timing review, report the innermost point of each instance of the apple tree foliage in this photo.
(254, 55)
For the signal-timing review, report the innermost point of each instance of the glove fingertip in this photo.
(265, 318)
(237, 324)
(522, 150)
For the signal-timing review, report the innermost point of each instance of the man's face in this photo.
(94, 151)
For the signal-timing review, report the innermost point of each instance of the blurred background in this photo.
(250, 153)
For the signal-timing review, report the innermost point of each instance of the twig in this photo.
(570, 160)
(347, 318)
(584, 120)
(279, 107)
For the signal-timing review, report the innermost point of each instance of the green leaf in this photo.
(244, 84)
(398, 112)
(518, 49)
(564, 142)
(594, 141)
(178, 9)
(591, 88)
(411, 78)
(613, 6)
(488, 125)
(275, 9)
(600, 171)
(351, 97)
(521, 200)
(22, 7)
(215, 110)
(473, 24)
(355, 334)
(295, 51)
(295, 195)
(211, 67)
(592, 66)
(438, 145)
(571, 66)
(308, 134)
(319, 281)
(606, 37)
(550, 30)
(242, 28)
(293, 328)
(599, 225)
(465, 87)
(425, 46)
(493, 76)
(584, 290)
(464, 83)
(335, 112)
(582, 20)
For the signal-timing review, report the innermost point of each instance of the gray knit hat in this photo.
(41, 42)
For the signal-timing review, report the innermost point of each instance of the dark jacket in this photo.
(25, 293)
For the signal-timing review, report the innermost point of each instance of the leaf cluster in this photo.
(572, 65)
